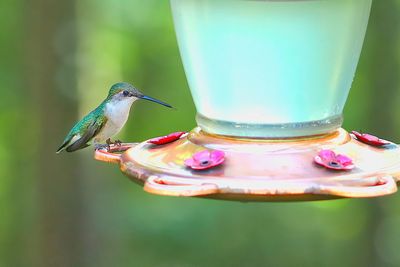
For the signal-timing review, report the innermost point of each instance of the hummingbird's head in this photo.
(126, 92)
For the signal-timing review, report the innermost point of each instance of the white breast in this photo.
(117, 114)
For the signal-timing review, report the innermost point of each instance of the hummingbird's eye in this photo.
(125, 93)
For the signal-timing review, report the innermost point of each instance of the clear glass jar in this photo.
(272, 68)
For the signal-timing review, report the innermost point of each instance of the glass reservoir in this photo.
(272, 68)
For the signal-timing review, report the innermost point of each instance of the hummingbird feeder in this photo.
(269, 80)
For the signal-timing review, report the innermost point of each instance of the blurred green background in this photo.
(57, 61)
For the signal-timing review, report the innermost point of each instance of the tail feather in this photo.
(73, 143)
(67, 141)
(62, 147)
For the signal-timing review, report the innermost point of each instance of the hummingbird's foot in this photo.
(115, 143)
(118, 142)
(102, 146)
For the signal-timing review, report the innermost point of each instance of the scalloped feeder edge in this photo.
(259, 169)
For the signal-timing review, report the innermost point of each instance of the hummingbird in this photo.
(106, 120)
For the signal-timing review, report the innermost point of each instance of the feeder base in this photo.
(260, 169)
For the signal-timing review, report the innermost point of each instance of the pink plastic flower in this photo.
(369, 139)
(328, 159)
(166, 139)
(205, 159)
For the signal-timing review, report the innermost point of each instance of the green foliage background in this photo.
(57, 60)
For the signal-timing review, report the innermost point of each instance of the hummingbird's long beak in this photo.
(145, 97)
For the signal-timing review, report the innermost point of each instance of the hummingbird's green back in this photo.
(86, 128)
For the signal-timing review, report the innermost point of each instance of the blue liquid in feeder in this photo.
(270, 68)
